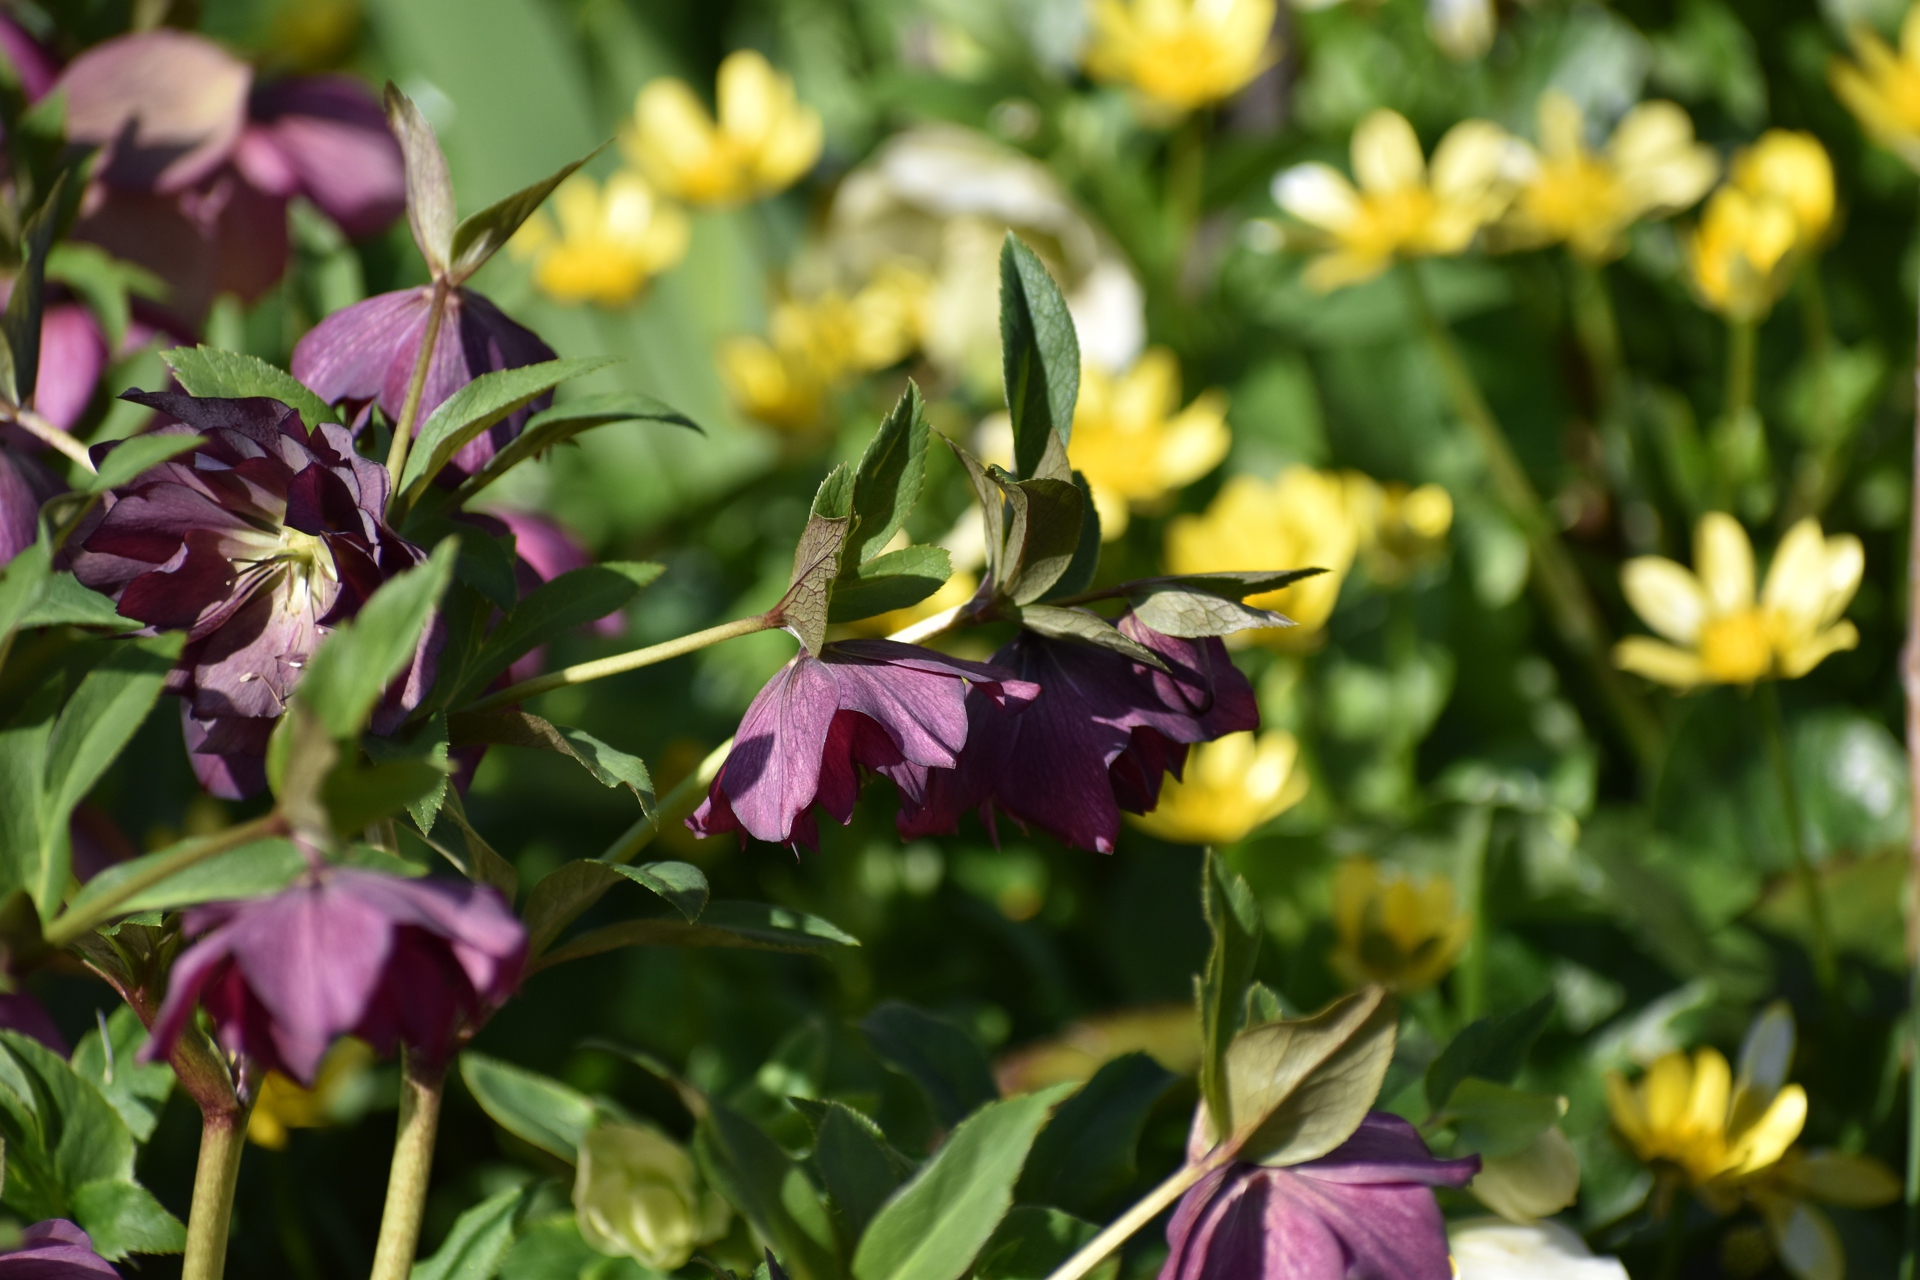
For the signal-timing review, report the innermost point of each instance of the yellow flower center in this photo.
(1734, 649)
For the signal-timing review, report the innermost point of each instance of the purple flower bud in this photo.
(874, 703)
(254, 544)
(1364, 1211)
(364, 354)
(54, 1250)
(421, 963)
(1103, 732)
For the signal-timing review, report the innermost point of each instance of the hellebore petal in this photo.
(364, 354)
(873, 703)
(333, 136)
(33, 63)
(168, 106)
(345, 952)
(54, 1250)
(24, 485)
(73, 353)
(19, 1011)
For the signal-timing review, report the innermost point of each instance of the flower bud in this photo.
(1540, 1179)
(636, 1195)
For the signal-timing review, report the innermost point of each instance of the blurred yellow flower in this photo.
(1738, 257)
(1464, 29)
(1401, 208)
(1687, 1115)
(608, 241)
(1793, 168)
(1720, 633)
(1232, 786)
(1181, 54)
(1134, 442)
(1299, 520)
(283, 1104)
(1402, 933)
(772, 386)
(763, 140)
(1651, 167)
(1398, 527)
(1882, 88)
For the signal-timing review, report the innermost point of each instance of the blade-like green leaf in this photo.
(941, 1058)
(481, 235)
(1233, 917)
(129, 458)
(1043, 535)
(23, 775)
(769, 1189)
(891, 581)
(934, 1226)
(65, 603)
(23, 582)
(887, 484)
(1085, 1155)
(609, 765)
(105, 283)
(249, 871)
(555, 426)
(1039, 353)
(571, 888)
(1491, 1048)
(354, 665)
(209, 371)
(534, 1108)
(553, 609)
(425, 741)
(855, 1163)
(20, 325)
(121, 1217)
(1495, 1120)
(477, 406)
(479, 1240)
(753, 925)
(1032, 1241)
(430, 206)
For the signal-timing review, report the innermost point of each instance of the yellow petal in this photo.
(1469, 167)
(1332, 271)
(1909, 37)
(1662, 663)
(1562, 127)
(1706, 1105)
(1802, 658)
(1667, 597)
(1723, 561)
(1317, 194)
(753, 97)
(1628, 1111)
(1386, 154)
(1770, 1136)
(1796, 587)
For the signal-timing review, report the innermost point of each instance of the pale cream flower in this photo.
(1181, 54)
(1401, 208)
(1534, 1182)
(1722, 634)
(1231, 787)
(763, 140)
(601, 244)
(1490, 1249)
(1133, 441)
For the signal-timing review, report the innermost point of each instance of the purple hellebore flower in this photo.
(54, 1250)
(1364, 1211)
(364, 354)
(73, 352)
(876, 703)
(201, 161)
(345, 952)
(34, 66)
(24, 486)
(1103, 732)
(544, 550)
(254, 544)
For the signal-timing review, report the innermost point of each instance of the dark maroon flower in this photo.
(872, 703)
(20, 1011)
(54, 1250)
(1364, 1211)
(345, 952)
(254, 544)
(1098, 740)
(364, 354)
(200, 162)
(24, 486)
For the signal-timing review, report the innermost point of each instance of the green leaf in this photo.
(425, 742)
(357, 796)
(944, 1060)
(23, 773)
(1086, 627)
(536, 1109)
(609, 765)
(1496, 1120)
(1298, 1089)
(891, 472)
(1043, 535)
(82, 1135)
(752, 925)
(128, 458)
(934, 1226)
(481, 235)
(1208, 604)
(249, 871)
(484, 865)
(121, 1217)
(1031, 1242)
(816, 562)
(486, 563)
(430, 206)
(770, 1190)
(556, 426)
(855, 1163)
(63, 602)
(554, 609)
(567, 891)
(479, 1241)
(1085, 1155)
(210, 371)
(991, 496)
(1085, 564)
(23, 582)
(1491, 1048)
(1039, 354)
(108, 1059)
(353, 667)
(476, 407)
(892, 581)
(1233, 917)
(107, 284)
(20, 325)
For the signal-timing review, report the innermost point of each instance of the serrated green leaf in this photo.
(352, 668)
(1039, 353)
(426, 742)
(816, 563)
(1085, 1155)
(210, 371)
(567, 891)
(23, 582)
(476, 407)
(856, 1165)
(357, 796)
(891, 581)
(478, 1241)
(110, 1063)
(552, 610)
(887, 483)
(1087, 628)
(534, 1108)
(121, 1217)
(609, 765)
(556, 426)
(769, 1189)
(249, 871)
(63, 602)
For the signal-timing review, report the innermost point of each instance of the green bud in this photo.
(636, 1195)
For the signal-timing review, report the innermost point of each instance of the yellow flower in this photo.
(1720, 633)
(1882, 89)
(1298, 520)
(1402, 933)
(1773, 211)
(1793, 168)
(284, 1104)
(1401, 209)
(1181, 54)
(1649, 168)
(1135, 443)
(778, 388)
(1169, 1034)
(608, 243)
(1232, 786)
(1686, 1114)
(1464, 29)
(636, 1194)
(763, 141)
(1398, 527)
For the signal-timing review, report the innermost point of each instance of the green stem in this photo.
(1740, 344)
(1911, 1247)
(1576, 617)
(44, 431)
(1674, 1251)
(1733, 442)
(91, 910)
(421, 1087)
(1774, 730)
(1186, 180)
(1910, 680)
(671, 807)
(1820, 466)
(410, 407)
(223, 1139)
(1476, 845)
(1122, 1228)
(632, 660)
(1598, 329)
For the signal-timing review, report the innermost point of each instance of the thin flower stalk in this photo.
(49, 434)
(670, 808)
(1824, 964)
(633, 660)
(1910, 680)
(416, 388)
(1123, 1228)
(421, 1087)
(90, 912)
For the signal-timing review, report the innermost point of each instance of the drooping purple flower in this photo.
(364, 354)
(872, 703)
(200, 162)
(24, 486)
(1364, 1211)
(54, 1250)
(255, 544)
(1099, 739)
(344, 951)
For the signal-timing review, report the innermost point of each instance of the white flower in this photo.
(1493, 1249)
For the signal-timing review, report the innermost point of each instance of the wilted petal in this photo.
(168, 104)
